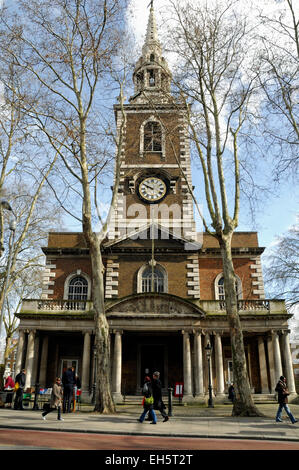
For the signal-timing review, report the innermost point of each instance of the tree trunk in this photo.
(104, 401)
(244, 405)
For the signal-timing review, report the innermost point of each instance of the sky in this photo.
(278, 213)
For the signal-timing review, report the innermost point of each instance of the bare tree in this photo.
(279, 77)
(282, 267)
(217, 85)
(68, 48)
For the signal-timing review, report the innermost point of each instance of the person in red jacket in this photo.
(9, 387)
(9, 383)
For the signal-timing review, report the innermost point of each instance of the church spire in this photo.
(151, 40)
(151, 76)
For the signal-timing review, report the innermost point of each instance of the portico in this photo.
(156, 331)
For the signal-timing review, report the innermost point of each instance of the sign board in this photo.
(178, 389)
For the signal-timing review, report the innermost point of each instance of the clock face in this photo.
(152, 189)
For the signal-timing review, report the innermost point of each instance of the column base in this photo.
(86, 397)
(293, 398)
(220, 398)
(188, 399)
(117, 398)
(200, 399)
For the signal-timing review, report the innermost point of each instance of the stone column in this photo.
(263, 365)
(187, 367)
(20, 351)
(277, 355)
(219, 365)
(288, 362)
(271, 363)
(43, 363)
(85, 367)
(199, 390)
(117, 366)
(29, 359)
(35, 360)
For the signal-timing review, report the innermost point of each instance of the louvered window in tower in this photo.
(152, 137)
(151, 78)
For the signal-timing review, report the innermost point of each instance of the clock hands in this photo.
(150, 187)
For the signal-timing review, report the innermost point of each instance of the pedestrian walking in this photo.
(9, 388)
(231, 393)
(19, 387)
(157, 394)
(148, 402)
(68, 382)
(56, 400)
(283, 393)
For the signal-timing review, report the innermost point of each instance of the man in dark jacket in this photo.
(68, 382)
(157, 394)
(282, 391)
(20, 380)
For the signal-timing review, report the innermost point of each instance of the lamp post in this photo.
(12, 228)
(208, 350)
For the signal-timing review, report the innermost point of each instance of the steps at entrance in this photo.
(266, 398)
(137, 400)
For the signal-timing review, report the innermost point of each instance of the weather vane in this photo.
(151, 3)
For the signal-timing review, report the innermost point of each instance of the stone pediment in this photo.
(154, 304)
(163, 238)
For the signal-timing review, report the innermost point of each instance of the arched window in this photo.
(78, 288)
(219, 287)
(152, 139)
(159, 283)
(144, 279)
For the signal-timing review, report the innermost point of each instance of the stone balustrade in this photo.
(209, 306)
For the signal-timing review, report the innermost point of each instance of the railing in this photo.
(61, 305)
(248, 305)
(208, 306)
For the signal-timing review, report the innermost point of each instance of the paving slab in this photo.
(186, 422)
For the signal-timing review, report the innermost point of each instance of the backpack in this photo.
(146, 391)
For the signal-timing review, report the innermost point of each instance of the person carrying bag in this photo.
(148, 402)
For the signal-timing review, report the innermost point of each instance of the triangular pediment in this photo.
(162, 236)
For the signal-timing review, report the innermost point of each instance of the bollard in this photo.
(36, 394)
(170, 401)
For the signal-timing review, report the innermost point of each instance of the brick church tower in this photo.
(164, 286)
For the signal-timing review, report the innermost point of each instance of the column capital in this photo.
(197, 332)
(118, 331)
(285, 332)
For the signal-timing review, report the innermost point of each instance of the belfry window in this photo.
(152, 137)
(151, 77)
(78, 288)
(159, 280)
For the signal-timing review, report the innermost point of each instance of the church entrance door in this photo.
(151, 360)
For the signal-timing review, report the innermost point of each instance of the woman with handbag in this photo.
(56, 400)
(148, 402)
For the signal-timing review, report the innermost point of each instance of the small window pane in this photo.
(152, 137)
(147, 280)
(78, 288)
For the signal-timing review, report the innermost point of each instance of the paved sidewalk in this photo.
(188, 421)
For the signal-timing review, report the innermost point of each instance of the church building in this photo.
(164, 289)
